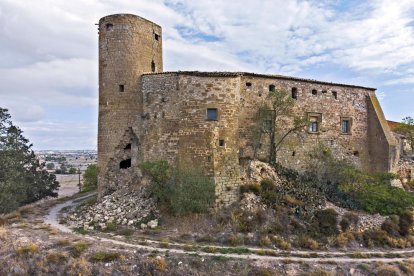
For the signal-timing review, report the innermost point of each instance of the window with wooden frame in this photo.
(346, 123)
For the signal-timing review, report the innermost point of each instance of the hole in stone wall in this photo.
(163, 114)
(209, 158)
(109, 26)
(272, 88)
(125, 164)
(248, 84)
(335, 94)
(127, 147)
(293, 153)
(356, 153)
(324, 91)
(314, 92)
(121, 88)
(156, 36)
(221, 143)
(294, 93)
(153, 68)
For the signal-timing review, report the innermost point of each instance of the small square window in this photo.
(221, 143)
(346, 125)
(212, 114)
(121, 88)
(324, 91)
(314, 92)
(272, 88)
(248, 85)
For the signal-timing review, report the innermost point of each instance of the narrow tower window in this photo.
(156, 36)
(109, 26)
(121, 88)
(272, 88)
(153, 68)
(221, 143)
(346, 125)
(294, 93)
(335, 94)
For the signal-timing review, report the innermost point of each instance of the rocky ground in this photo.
(31, 247)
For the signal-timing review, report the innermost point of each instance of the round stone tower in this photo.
(129, 45)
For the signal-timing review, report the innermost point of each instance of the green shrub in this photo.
(348, 219)
(181, 191)
(160, 173)
(325, 222)
(90, 178)
(345, 185)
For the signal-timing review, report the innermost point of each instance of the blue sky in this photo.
(49, 65)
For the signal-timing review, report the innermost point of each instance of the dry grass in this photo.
(160, 264)
(102, 256)
(79, 248)
(63, 242)
(56, 257)
(28, 249)
(3, 233)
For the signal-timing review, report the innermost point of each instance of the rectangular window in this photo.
(314, 92)
(221, 143)
(314, 122)
(212, 114)
(335, 94)
(294, 93)
(346, 125)
(121, 88)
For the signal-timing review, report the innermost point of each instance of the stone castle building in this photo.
(204, 119)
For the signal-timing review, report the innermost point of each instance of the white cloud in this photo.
(49, 47)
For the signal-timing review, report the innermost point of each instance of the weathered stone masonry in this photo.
(203, 119)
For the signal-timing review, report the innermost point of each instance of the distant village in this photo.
(67, 161)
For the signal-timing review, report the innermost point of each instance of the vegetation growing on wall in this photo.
(23, 179)
(269, 119)
(345, 185)
(180, 191)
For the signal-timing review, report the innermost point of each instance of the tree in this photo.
(50, 166)
(271, 120)
(407, 129)
(23, 179)
(90, 178)
(72, 170)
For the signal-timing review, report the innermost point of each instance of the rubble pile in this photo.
(134, 208)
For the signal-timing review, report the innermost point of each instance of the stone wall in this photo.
(349, 102)
(382, 145)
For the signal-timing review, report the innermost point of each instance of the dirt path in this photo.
(253, 252)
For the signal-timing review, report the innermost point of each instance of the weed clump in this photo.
(78, 248)
(105, 256)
